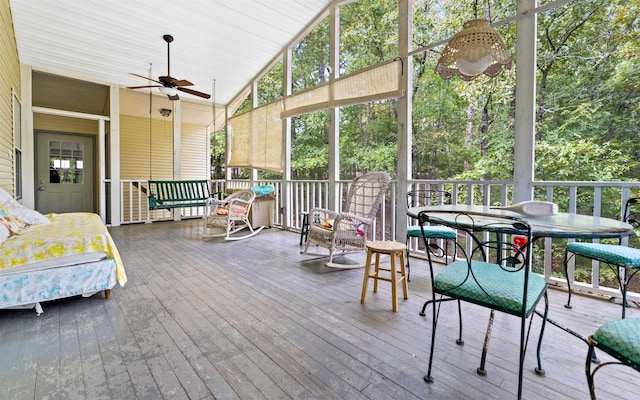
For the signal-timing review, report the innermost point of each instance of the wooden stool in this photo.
(393, 249)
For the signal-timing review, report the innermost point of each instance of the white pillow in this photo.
(4, 196)
(31, 217)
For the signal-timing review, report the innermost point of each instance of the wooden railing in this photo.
(594, 198)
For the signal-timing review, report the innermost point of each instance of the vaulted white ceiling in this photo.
(228, 41)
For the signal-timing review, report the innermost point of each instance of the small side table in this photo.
(395, 250)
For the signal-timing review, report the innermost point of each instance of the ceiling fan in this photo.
(167, 84)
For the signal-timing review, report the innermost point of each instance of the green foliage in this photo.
(581, 159)
(368, 33)
(309, 148)
(217, 141)
(368, 132)
(589, 69)
(310, 59)
(588, 96)
(270, 87)
(244, 106)
(368, 139)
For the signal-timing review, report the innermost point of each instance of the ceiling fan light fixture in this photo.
(168, 85)
(169, 91)
(477, 49)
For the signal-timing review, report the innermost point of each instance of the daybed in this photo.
(54, 256)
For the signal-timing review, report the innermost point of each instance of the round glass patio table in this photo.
(560, 225)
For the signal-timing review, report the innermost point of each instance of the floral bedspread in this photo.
(67, 234)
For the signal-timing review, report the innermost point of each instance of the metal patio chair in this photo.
(624, 261)
(621, 340)
(490, 271)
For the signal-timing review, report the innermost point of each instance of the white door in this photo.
(64, 173)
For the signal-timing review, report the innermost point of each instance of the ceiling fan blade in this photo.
(182, 82)
(194, 92)
(144, 77)
(141, 87)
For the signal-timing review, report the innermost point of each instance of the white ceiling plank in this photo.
(229, 41)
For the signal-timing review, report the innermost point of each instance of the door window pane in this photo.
(66, 161)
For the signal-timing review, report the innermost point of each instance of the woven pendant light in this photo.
(477, 49)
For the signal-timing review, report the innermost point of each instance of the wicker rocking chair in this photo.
(230, 215)
(346, 231)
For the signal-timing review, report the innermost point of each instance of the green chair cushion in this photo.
(611, 253)
(621, 336)
(432, 232)
(505, 288)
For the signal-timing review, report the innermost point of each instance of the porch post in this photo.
(285, 185)
(524, 149)
(177, 148)
(114, 154)
(404, 118)
(102, 170)
(253, 146)
(334, 112)
(28, 138)
(177, 139)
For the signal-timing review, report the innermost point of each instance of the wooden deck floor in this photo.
(254, 319)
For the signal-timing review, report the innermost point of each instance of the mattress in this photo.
(31, 287)
(72, 255)
(67, 235)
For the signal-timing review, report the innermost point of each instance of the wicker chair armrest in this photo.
(323, 218)
(355, 220)
(345, 222)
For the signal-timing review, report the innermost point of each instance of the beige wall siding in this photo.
(9, 79)
(55, 123)
(194, 152)
(142, 156)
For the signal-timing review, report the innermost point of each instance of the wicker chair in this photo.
(346, 231)
(230, 215)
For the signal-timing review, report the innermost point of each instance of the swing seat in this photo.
(167, 195)
(230, 215)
